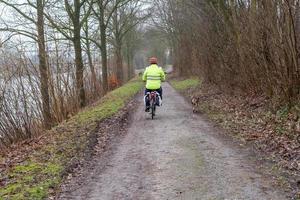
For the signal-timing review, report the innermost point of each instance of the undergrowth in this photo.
(275, 132)
(43, 171)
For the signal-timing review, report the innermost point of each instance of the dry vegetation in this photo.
(247, 53)
(243, 48)
(246, 45)
(57, 57)
(34, 168)
(252, 122)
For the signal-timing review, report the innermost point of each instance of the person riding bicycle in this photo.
(153, 76)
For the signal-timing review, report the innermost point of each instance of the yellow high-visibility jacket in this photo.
(154, 75)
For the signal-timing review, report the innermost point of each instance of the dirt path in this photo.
(176, 156)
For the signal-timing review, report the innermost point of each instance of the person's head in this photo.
(153, 60)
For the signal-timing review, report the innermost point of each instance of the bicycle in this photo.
(154, 99)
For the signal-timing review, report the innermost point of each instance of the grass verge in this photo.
(186, 84)
(40, 173)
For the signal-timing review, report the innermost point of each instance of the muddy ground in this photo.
(178, 155)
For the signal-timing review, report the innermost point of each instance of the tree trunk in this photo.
(129, 63)
(119, 63)
(47, 118)
(297, 21)
(78, 57)
(92, 68)
(90, 60)
(130, 55)
(103, 49)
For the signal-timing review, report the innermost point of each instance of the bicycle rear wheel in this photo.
(152, 109)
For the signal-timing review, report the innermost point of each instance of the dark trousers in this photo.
(160, 91)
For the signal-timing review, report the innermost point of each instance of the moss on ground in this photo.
(182, 85)
(43, 169)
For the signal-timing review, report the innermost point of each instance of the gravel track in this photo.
(178, 155)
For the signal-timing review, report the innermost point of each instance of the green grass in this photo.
(111, 103)
(182, 85)
(44, 169)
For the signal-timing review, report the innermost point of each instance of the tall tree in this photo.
(132, 44)
(88, 46)
(104, 12)
(43, 63)
(77, 17)
(123, 21)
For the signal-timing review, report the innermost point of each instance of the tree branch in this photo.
(18, 10)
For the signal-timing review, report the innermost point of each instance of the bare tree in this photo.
(39, 37)
(123, 21)
(132, 44)
(88, 45)
(77, 18)
(251, 45)
(104, 12)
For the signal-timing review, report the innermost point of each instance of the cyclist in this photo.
(153, 76)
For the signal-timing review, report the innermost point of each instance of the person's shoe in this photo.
(147, 109)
